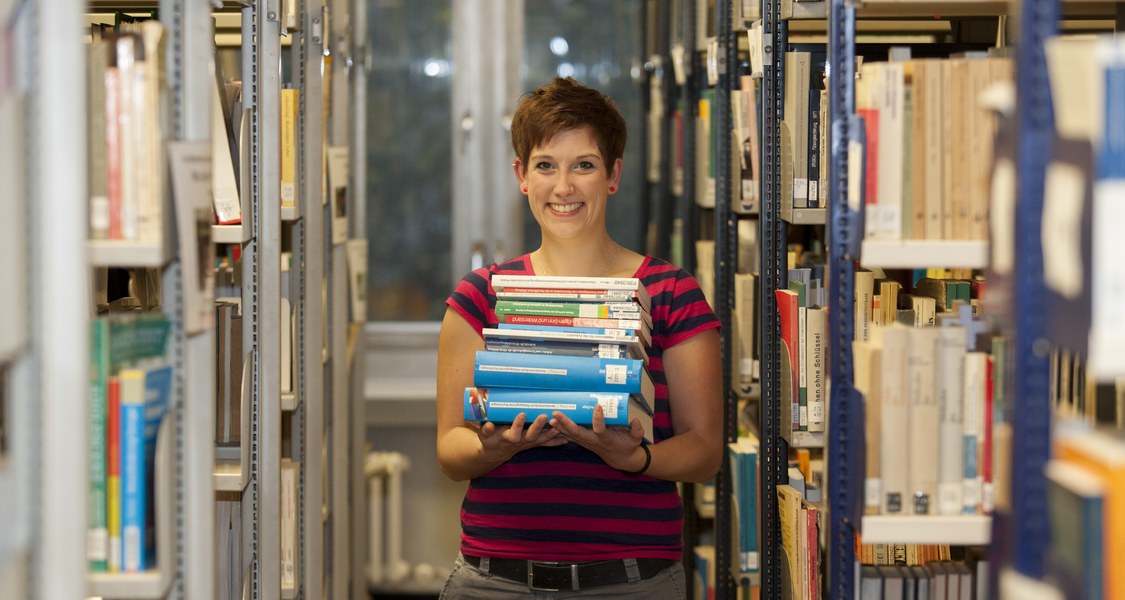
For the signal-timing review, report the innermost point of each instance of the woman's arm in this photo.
(464, 450)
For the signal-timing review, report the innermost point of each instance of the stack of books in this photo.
(566, 344)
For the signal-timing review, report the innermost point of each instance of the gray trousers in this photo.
(467, 582)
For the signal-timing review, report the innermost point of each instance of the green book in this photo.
(97, 534)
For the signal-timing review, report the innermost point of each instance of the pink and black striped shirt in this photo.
(564, 503)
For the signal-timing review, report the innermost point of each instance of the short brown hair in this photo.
(562, 105)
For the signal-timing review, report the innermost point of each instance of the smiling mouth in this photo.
(565, 208)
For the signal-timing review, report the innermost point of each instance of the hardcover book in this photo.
(502, 405)
(576, 336)
(575, 373)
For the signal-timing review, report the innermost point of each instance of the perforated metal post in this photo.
(845, 410)
(726, 257)
(772, 276)
(1031, 415)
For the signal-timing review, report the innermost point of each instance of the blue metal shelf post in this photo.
(845, 410)
(1031, 416)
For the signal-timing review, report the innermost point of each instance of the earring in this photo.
(613, 189)
(523, 188)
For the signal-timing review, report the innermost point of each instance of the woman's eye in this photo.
(543, 166)
(585, 165)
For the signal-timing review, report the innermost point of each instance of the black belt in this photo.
(551, 576)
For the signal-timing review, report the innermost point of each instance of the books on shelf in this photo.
(1103, 456)
(130, 386)
(130, 99)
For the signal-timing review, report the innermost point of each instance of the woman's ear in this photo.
(517, 168)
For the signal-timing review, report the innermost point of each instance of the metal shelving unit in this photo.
(773, 275)
(1029, 533)
(845, 409)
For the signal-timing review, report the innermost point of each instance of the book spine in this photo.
(950, 372)
(802, 366)
(113, 146)
(595, 350)
(97, 533)
(972, 434)
(589, 310)
(601, 331)
(113, 473)
(289, 108)
(506, 369)
(502, 406)
(132, 470)
(573, 321)
(817, 330)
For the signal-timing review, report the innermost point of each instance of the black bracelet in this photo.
(648, 459)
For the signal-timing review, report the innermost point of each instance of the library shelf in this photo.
(910, 254)
(230, 477)
(1014, 584)
(128, 253)
(803, 439)
(229, 234)
(803, 216)
(288, 401)
(289, 213)
(974, 530)
(149, 584)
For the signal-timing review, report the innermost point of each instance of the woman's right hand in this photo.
(505, 441)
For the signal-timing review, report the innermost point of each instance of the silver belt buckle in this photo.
(531, 576)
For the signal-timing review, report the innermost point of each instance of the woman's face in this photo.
(568, 184)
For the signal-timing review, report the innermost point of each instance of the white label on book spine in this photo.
(609, 406)
(873, 491)
(949, 498)
(616, 374)
(525, 370)
(544, 406)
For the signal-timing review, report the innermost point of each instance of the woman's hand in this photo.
(505, 441)
(618, 447)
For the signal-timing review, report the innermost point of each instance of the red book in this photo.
(113, 472)
(788, 314)
(113, 146)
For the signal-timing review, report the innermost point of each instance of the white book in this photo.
(802, 362)
(924, 419)
(866, 361)
(288, 531)
(972, 433)
(894, 418)
(864, 290)
(816, 334)
(950, 371)
(891, 104)
(925, 310)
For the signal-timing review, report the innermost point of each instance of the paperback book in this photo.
(503, 405)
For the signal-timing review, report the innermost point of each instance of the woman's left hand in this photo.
(618, 447)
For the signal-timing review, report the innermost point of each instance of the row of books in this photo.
(804, 349)
(928, 149)
(931, 397)
(127, 97)
(567, 344)
(129, 390)
(1086, 507)
(800, 519)
(935, 580)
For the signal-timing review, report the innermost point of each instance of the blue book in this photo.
(1076, 501)
(502, 405)
(144, 402)
(493, 369)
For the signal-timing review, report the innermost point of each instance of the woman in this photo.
(588, 511)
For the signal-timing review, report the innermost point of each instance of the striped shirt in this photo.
(564, 503)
